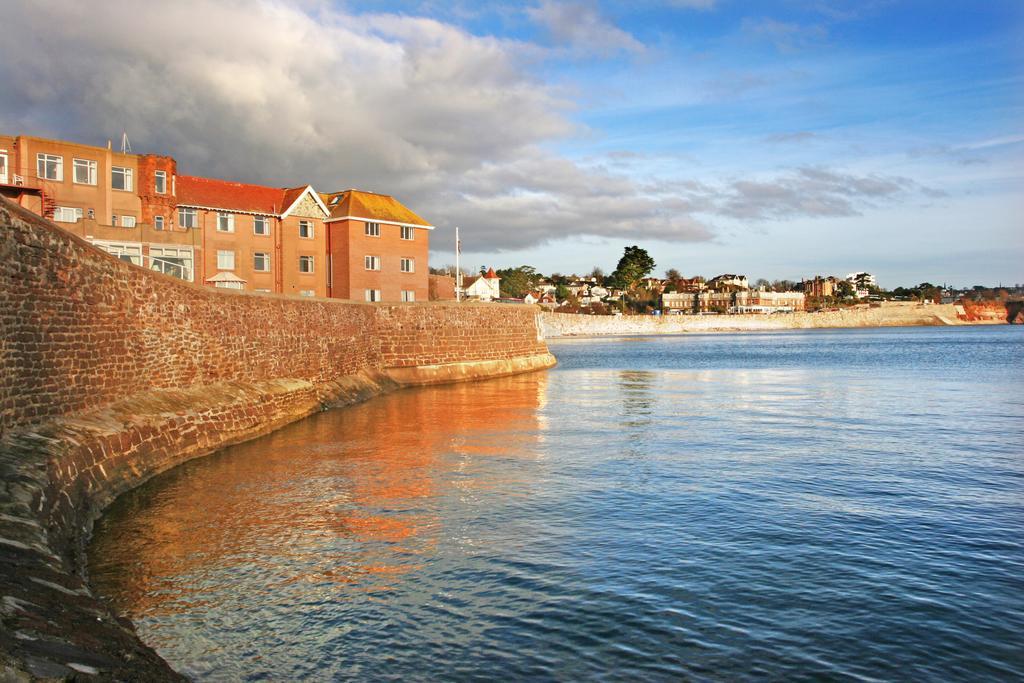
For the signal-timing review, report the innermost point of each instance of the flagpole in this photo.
(458, 270)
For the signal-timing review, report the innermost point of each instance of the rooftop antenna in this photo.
(126, 147)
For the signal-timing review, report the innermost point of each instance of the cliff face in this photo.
(989, 311)
(110, 373)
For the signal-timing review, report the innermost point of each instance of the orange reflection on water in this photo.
(352, 497)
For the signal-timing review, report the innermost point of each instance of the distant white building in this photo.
(485, 288)
(862, 280)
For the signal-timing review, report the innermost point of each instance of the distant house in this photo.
(863, 281)
(485, 288)
(679, 302)
(727, 281)
(819, 286)
(542, 298)
(763, 301)
(652, 284)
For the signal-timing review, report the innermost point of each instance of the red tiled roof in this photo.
(224, 194)
(491, 274)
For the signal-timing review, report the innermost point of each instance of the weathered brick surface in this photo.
(81, 329)
(110, 374)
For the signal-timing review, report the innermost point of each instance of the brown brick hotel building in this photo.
(348, 245)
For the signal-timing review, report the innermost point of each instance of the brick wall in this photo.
(110, 374)
(82, 329)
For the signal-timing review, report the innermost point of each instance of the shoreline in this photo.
(564, 325)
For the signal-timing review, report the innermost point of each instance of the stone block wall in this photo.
(82, 329)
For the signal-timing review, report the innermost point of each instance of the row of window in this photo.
(407, 265)
(373, 230)
(408, 295)
(51, 167)
(260, 261)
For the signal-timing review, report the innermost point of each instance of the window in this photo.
(67, 214)
(85, 171)
(174, 261)
(408, 265)
(3, 166)
(127, 221)
(225, 222)
(408, 295)
(158, 222)
(261, 262)
(187, 218)
(372, 295)
(307, 292)
(225, 260)
(371, 262)
(160, 181)
(408, 232)
(50, 167)
(260, 226)
(306, 229)
(372, 230)
(121, 178)
(305, 264)
(262, 290)
(132, 253)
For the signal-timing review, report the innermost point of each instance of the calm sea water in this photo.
(840, 505)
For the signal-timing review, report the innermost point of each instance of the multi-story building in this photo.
(121, 202)
(679, 302)
(257, 238)
(377, 249)
(350, 245)
(764, 301)
(819, 287)
(712, 301)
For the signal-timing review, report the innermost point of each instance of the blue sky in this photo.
(780, 139)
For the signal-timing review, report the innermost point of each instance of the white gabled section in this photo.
(316, 197)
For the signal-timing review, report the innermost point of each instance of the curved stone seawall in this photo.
(888, 315)
(110, 373)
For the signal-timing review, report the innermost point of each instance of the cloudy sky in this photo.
(778, 138)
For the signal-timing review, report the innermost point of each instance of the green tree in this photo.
(673, 274)
(635, 265)
(517, 282)
(844, 288)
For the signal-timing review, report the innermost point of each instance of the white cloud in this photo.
(452, 123)
(579, 26)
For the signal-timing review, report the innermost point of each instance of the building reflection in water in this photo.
(350, 499)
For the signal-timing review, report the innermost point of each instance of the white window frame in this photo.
(306, 227)
(372, 294)
(306, 259)
(409, 295)
(89, 166)
(121, 250)
(43, 160)
(261, 262)
(158, 222)
(265, 222)
(62, 213)
(408, 232)
(371, 262)
(128, 221)
(190, 214)
(225, 222)
(3, 166)
(225, 259)
(307, 292)
(128, 176)
(371, 229)
(184, 271)
(160, 187)
(407, 265)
